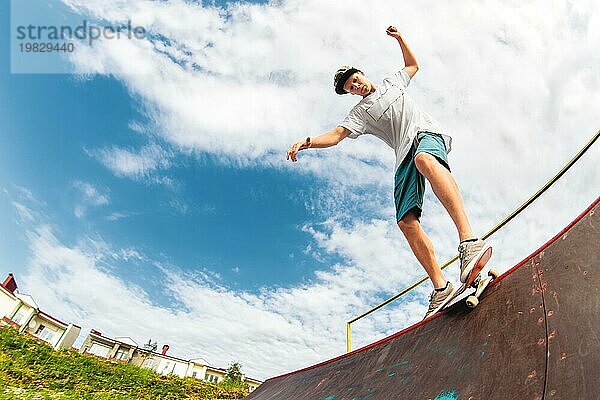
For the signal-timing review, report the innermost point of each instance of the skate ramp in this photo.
(535, 335)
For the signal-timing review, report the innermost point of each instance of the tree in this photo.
(234, 373)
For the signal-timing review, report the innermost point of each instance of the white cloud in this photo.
(277, 329)
(23, 212)
(271, 332)
(88, 196)
(115, 216)
(140, 164)
(516, 84)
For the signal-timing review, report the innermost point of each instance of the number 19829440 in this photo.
(46, 47)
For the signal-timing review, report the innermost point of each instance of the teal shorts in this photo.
(409, 184)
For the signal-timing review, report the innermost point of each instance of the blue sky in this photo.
(244, 223)
(141, 190)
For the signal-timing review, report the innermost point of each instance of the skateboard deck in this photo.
(474, 280)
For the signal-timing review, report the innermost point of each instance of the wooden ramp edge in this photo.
(535, 335)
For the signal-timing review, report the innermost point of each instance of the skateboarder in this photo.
(421, 146)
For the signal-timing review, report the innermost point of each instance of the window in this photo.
(99, 350)
(166, 367)
(211, 378)
(149, 363)
(121, 355)
(19, 318)
(194, 374)
(40, 329)
(44, 333)
(47, 335)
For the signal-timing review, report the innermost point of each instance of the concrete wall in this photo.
(200, 371)
(7, 304)
(211, 374)
(168, 366)
(51, 333)
(68, 338)
(23, 315)
(107, 348)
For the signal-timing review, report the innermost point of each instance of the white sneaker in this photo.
(437, 298)
(470, 254)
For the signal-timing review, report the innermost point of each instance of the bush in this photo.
(30, 369)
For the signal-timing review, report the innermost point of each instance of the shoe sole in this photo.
(477, 264)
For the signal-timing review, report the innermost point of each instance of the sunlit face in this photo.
(359, 84)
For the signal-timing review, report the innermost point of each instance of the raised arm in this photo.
(327, 139)
(411, 66)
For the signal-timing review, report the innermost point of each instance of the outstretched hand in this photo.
(393, 32)
(296, 147)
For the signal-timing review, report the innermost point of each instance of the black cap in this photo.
(341, 76)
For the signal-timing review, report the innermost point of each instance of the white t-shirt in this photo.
(391, 115)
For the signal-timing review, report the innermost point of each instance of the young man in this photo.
(421, 147)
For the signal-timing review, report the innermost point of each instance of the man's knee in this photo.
(424, 161)
(408, 224)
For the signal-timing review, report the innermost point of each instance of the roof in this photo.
(126, 340)
(27, 299)
(199, 360)
(7, 292)
(10, 283)
(157, 354)
(54, 319)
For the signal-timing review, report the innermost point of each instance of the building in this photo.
(252, 383)
(121, 348)
(21, 311)
(162, 363)
(127, 350)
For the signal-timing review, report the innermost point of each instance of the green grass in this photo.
(30, 369)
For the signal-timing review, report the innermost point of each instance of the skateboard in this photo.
(476, 281)
(480, 284)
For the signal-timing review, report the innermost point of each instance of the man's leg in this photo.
(446, 189)
(409, 189)
(422, 248)
(473, 252)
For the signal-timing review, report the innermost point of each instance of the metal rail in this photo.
(488, 234)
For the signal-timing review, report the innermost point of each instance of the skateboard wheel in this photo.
(493, 272)
(472, 301)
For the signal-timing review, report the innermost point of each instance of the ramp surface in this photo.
(535, 335)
